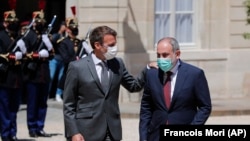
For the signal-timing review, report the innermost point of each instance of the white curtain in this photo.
(174, 18)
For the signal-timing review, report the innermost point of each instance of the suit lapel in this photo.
(92, 69)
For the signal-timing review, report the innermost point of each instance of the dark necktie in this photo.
(104, 76)
(167, 89)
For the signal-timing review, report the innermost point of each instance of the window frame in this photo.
(172, 23)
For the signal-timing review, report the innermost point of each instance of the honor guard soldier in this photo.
(69, 46)
(36, 75)
(11, 52)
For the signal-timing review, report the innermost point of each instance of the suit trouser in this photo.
(108, 137)
(37, 95)
(9, 105)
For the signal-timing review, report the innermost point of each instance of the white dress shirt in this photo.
(98, 66)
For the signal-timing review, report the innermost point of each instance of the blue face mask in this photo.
(165, 64)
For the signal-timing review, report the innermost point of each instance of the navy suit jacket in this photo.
(191, 102)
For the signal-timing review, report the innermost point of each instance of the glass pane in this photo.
(162, 5)
(184, 5)
(162, 26)
(184, 28)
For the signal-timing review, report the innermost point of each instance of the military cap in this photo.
(10, 16)
(71, 22)
(38, 16)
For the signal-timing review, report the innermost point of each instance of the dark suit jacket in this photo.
(191, 103)
(87, 109)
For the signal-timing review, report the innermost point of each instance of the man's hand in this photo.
(15, 56)
(43, 53)
(20, 43)
(18, 55)
(78, 137)
(153, 65)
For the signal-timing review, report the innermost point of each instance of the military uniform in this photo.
(11, 81)
(69, 47)
(36, 76)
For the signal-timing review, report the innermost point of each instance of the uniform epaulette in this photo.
(59, 40)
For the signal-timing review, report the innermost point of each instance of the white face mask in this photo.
(111, 52)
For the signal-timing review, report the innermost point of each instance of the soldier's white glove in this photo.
(19, 55)
(20, 43)
(87, 47)
(47, 41)
(43, 53)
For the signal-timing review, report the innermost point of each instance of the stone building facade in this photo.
(219, 47)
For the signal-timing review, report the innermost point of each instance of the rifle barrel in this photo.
(50, 26)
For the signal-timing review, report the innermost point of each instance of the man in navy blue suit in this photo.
(190, 101)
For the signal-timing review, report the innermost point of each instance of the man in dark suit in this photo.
(91, 110)
(190, 101)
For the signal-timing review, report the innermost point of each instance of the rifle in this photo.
(85, 44)
(50, 26)
(5, 56)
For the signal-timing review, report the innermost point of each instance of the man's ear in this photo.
(97, 45)
(178, 53)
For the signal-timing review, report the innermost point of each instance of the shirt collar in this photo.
(175, 68)
(95, 59)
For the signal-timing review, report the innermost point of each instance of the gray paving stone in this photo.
(225, 111)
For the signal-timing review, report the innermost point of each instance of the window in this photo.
(175, 18)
